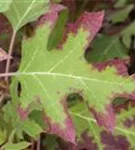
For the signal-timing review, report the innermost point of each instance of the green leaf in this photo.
(127, 33)
(105, 48)
(120, 3)
(121, 15)
(23, 11)
(16, 146)
(85, 122)
(3, 136)
(57, 33)
(4, 5)
(123, 132)
(31, 128)
(48, 77)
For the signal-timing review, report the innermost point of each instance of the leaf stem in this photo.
(39, 142)
(10, 53)
(6, 75)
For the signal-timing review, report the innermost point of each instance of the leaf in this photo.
(16, 146)
(119, 64)
(50, 76)
(3, 136)
(105, 48)
(120, 3)
(127, 33)
(71, 4)
(4, 5)
(121, 15)
(91, 135)
(45, 79)
(58, 30)
(22, 12)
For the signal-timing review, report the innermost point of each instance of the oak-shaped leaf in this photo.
(49, 76)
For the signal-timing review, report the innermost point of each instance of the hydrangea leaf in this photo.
(49, 76)
(23, 11)
(4, 5)
(105, 48)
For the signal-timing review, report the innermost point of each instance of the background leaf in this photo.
(121, 15)
(105, 48)
(16, 146)
(22, 12)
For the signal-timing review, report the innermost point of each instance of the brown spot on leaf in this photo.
(67, 133)
(23, 113)
(106, 119)
(129, 122)
(52, 15)
(114, 142)
(119, 64)
(87, 142)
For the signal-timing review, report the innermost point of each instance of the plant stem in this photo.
(39, 143)
(10, 53)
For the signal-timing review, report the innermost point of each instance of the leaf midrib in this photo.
(67, 76)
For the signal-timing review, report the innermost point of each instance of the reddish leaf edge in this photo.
(90, 22)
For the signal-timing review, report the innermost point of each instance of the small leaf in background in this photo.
(58, 30)
(121, 15)
(4, 55)
(3, 136)
(4, 5)
(16, 146)
(105, 48)
(127, 33)
(71, 4)
(22, 12)
(120, 3)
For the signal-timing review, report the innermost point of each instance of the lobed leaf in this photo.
(51, 80)
(48, 77)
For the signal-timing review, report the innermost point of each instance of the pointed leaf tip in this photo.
(90, 22)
